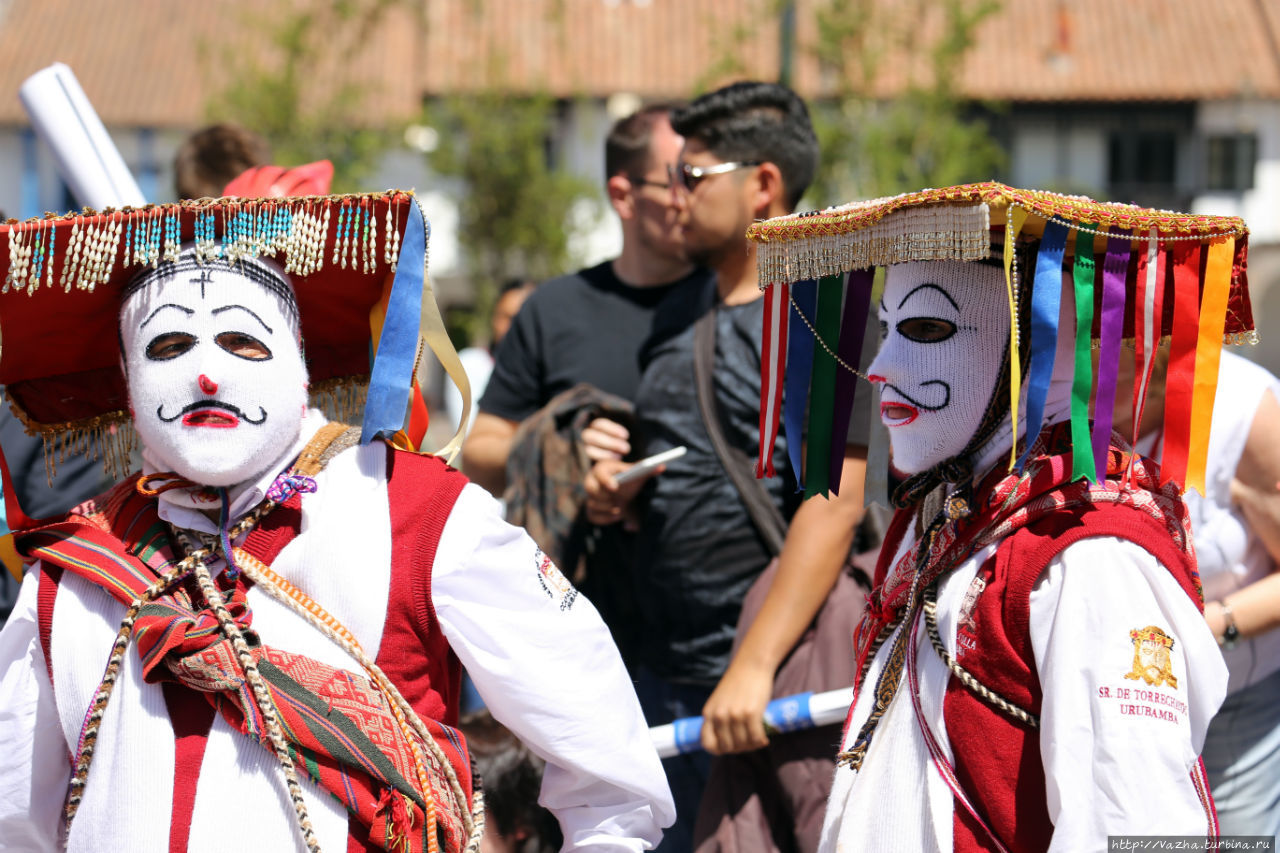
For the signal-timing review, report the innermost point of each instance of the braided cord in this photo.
(300, 603)
(967, 678)
(262, 698)
(88, 740)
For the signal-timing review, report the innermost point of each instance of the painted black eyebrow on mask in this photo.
(217, 311)
(935, 287)
(152, 315)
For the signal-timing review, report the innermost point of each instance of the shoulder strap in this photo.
(764, 513)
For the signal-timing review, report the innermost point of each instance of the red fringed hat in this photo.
(357, 263)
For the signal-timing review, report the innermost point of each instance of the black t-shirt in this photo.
(585, 327)
(698, 550)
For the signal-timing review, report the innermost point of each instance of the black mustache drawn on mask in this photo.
(946, 387)
(212, 404)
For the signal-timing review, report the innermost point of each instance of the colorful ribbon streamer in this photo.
(1180, 386)
(1017, 217)
(822, 387)
(1046, 301)
(1115, 267)
(799, 367)
(1083, 272)
(773, 364)
(396, 353)
(1213, 318)
(1148, 323)
(853, 327)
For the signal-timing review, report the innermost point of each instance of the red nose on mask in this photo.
(207, 385)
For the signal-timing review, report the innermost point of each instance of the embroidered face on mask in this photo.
(944, 329)
(217, 383)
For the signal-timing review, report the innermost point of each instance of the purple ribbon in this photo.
(853, 327)
(1114, 270)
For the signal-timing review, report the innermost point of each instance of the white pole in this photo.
(788, 714)
(87, 159)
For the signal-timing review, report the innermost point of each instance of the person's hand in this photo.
(606, 439)
(607, 502)
(733, 718)
(1216, 618)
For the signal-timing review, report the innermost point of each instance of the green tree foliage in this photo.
(299, 87)
(925, 134)
(514, 217)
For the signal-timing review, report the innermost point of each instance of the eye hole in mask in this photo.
(243, 345)
(926, 330)
(170, 345)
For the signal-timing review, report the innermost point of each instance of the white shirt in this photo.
(1113, 763)
(549, 673)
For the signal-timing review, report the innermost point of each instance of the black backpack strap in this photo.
(760, 506)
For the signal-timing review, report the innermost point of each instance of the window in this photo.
(1230, 161)
(1143, 159)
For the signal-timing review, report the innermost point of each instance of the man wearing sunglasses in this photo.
(588, 326)
(750, 153)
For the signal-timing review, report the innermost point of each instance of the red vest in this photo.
(413, 652)
(997, 758)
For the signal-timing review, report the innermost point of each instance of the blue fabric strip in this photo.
(795, 388)
(391, 379)
(1046, 300)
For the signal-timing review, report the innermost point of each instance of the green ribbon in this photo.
(822, 388)
(1082, 461)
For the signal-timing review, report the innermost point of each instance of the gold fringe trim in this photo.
(89, 248)
(112, 438)
(951, 232)
(341, 398)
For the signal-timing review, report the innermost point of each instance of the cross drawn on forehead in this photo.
(204, 278)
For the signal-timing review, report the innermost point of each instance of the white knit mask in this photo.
(217, 383)
(944, 326)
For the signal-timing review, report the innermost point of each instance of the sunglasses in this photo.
(645, 182)
(684, 175)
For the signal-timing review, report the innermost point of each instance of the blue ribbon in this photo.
(391, 379)
(1046, 300)
(795, 388)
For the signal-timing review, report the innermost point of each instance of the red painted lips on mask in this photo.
(216, 418)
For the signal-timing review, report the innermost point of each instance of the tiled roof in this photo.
(158, 62)
(1129, 50)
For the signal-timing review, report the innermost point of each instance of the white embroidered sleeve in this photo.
(547, 668)
(34, 769)
(1131, 677)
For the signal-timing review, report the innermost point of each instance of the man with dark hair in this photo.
(589, 326)
(750, 152)
(213, 156)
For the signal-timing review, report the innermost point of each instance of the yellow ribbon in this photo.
(1017, 217)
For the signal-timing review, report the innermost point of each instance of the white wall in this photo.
(1060, 155)
(1260, 206)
